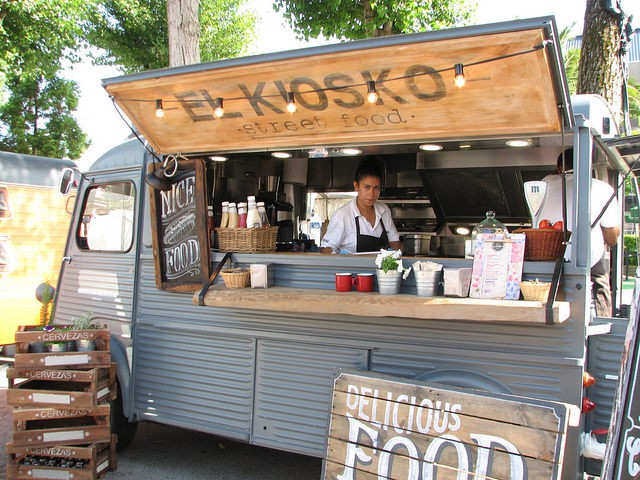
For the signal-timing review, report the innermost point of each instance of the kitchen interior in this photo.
(437, 192)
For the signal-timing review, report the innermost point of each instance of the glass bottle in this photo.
(210, 220)
(488, 226)
(224, 220)
(242, 215)
(253, 217)
(264, 219)
(233, 215)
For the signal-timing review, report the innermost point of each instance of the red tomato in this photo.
(559, 225)
(545, 224)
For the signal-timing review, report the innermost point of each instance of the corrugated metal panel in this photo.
(293, 393)
(203, 382)
(522, 375)
(603, 362)
(102, 283)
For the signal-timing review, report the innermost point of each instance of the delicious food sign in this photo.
(509, 90)
(383, 428)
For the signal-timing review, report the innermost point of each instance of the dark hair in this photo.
(565, 163)
(369, 167)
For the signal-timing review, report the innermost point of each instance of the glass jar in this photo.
(489, 226)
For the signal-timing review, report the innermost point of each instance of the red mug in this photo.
(363, 282)
(343, 282)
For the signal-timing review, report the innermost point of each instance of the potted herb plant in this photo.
(44, 294)
(390, 271)
(85, 322)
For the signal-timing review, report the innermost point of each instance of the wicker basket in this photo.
(235, 277)
(538, 291)
(541, 243)
(247, 240)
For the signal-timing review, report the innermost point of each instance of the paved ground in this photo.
(160, 452)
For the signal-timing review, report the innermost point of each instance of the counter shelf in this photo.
(372, 304)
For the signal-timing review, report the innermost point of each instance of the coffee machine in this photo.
(279, 212)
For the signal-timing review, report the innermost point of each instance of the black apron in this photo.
(369, 243)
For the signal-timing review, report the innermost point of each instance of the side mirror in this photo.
(68, 180)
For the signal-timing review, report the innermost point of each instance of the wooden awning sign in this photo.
(514, 86)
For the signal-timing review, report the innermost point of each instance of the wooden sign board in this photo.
(387, 428)
(622, 453)
(510, 90)
(179, 224)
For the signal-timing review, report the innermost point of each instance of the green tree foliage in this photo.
(355, 19)
(133, 33)
(36, 36)
(37, 118)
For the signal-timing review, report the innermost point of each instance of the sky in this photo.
(98, 118)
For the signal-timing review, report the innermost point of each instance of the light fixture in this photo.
(518, 143)
(281, 155)
(430, 147)
(159, 109)
(218, 110)
(372, 94)
(462, 146)
(462, 231)
(351, 151)
(218, 158)
(459, 79)
(291, 103)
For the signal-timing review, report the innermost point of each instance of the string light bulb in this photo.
(291, 103)
(159, 109)
(459, 79)
(372, 94)
(218, 110)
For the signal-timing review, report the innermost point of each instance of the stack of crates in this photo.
(61, 415)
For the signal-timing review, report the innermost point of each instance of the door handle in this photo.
(67, 259)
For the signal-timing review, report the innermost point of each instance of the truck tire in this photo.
(120, 424)
(464, 379)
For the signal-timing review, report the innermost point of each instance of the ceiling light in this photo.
(464, 145)
(518, 143)
(430, 147)
(462, 230)
(351, 151)
(281, 155)
(218, 158)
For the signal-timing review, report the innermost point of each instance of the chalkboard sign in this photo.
(179, 223)
(622, 454)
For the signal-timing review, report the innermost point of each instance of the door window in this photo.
(107, 218)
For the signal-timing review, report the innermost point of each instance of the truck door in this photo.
(99, 268)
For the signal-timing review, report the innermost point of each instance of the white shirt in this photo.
(600, 194)
(341, 232)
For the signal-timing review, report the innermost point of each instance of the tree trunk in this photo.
(601, 69)
(184, 32)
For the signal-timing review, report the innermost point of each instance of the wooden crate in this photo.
(97, 460)
(41, 427)
(101, 357)
(61, 388)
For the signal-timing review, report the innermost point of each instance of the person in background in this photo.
(362, 225)
(604, 234)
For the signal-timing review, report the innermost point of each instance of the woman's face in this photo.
(368, 189)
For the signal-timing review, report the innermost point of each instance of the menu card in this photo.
(497, 266)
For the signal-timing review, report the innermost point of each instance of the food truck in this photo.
(257, 365)
(34, 223)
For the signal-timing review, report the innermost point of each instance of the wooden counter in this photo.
(317, 301)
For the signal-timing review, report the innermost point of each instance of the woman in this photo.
(362, 225)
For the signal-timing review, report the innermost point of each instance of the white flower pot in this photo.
(389, 282)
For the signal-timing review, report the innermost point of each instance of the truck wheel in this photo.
(464, 379)
(121, 425)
